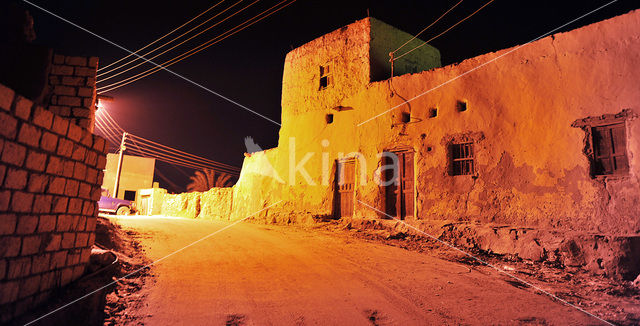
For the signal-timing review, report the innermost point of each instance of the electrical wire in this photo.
(193, 51)
(112, 136)
(106, 136)
(116, 133)
(154, 153)
(149, 148)
(109, 134)
(108, 116)
(180, 162)
(106, 124)
(160, 156)
(165, 148)
(99, 125)
(433, 38)
(167, 43)
(151, 153)
(162, 37)
(141, 141)
(424, 29)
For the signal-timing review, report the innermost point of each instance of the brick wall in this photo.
(50, 176)
(73, 88)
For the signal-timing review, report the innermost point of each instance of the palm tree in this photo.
(206, 179)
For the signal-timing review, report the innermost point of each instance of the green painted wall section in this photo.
(386, 38)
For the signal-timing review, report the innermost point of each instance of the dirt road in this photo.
(269, 275)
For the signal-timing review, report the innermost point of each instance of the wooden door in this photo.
(405, 160)
(399, 194)
(345, 188)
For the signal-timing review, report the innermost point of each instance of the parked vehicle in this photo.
(116, 206)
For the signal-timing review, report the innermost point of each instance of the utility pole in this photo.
(119, 168)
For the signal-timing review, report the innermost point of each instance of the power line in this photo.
(433, 38)
(110, 134)
(190, 81)
(424, 29)
(165, 35)
(104, 132)
(173, 47)
(178, 161)
(103, 128)
(108, 116)
(160, 149)
(191, 52)
(178, 153)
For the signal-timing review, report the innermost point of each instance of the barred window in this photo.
(462, 159)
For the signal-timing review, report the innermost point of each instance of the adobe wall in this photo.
(50, 172)
(348, 45)
(214, 204)
(531, 169)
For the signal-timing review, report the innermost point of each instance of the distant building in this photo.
(136, 174)
(149, 201)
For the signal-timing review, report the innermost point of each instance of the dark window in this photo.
(609, 150)
(406, 117)
(462, 159)
(130, 195)
(329, 118)
(325, 76)
(461, 106)
(433, 112)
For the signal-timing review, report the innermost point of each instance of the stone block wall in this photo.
(50, 177)
(73, 88)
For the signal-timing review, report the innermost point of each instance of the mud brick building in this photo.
(533, 154)
(50, 172)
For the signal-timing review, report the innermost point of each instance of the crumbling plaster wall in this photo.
(216, 203)
(531, 169)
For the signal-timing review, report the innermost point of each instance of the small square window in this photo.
(462, 159)
(130, 195)
(609, 150)
(325, 76)
(406, 117)
(329, 118)
(433, 112)
(461, 106)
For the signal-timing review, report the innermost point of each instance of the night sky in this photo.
(247, 67)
